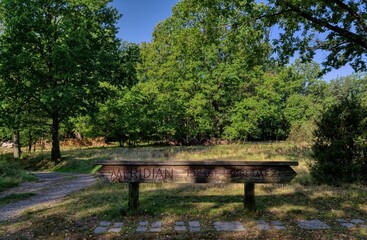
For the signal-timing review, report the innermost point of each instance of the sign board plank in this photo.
(197, 172)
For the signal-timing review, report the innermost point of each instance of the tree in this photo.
(203, 60)
(59, 55)
(113, 117)
(276, 101)
(337, 27)
(340, 144)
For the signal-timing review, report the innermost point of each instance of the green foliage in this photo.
(216, 72)
(340, 142)
(338, 28)
(58, 57)
(277, 102)
(12, 173)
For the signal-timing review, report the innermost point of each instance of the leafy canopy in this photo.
(339, 28)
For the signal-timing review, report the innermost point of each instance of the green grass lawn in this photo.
(80, 213)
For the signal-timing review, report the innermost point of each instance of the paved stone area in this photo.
(108, 227)
(315, 224)
(229, 226)
(195, 226)
(350, 224)
(143, 226)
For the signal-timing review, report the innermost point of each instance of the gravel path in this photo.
(51, 189)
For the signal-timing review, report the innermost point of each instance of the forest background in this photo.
(212, 74)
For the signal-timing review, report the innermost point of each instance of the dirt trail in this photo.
(51, 188)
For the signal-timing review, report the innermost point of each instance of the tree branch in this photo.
(273, 14)
(357, 39)
(351, 11)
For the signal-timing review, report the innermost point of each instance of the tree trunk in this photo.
(16, 142)
(55, 152)
(30, 141)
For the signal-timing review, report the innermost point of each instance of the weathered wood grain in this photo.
(247, 172)
(197, 172)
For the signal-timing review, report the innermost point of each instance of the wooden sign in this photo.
(197, 172)
(247, 172)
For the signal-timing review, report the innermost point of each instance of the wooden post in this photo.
(249, 201)
(133, 195)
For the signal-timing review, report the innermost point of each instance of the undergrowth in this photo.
(12, 173)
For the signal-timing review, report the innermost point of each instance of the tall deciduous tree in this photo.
(203, 59)
(59, 55)
(338, 27)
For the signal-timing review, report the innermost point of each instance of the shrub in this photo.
(12, 173)
(340, 143)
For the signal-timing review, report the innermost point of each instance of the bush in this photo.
(340, 145)
(11, 173)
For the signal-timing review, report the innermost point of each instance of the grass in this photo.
(83, 160)
(12, 173)
(80, 213)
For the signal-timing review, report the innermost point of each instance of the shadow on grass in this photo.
(81, 212)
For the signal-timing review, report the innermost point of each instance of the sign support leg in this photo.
(249, 201)
(133, 195)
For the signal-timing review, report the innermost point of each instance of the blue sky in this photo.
(141, 16)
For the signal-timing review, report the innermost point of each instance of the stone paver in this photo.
(197, 229)
(262, 225)
(104, 224)
(312, 224)
(142, 227)
(341, 220)
(114, 230)
(229, 226)
(155, 227)
(278, 225)
(180, 227)
(118, 225)
(100, 230)
(357, 221)
(348, 225)
(143, 223)
(194, 226)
